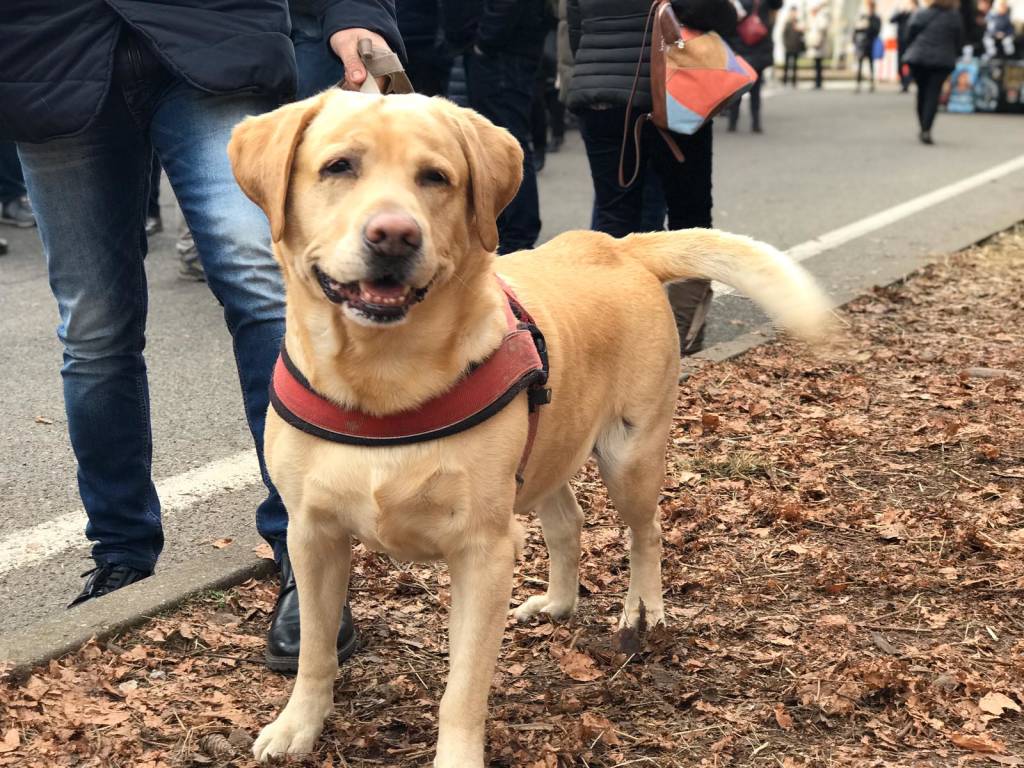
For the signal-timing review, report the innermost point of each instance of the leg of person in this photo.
(15, 209)
(501, 88)
(818, 72)
(154, 222)
(617, 210)
(318, 68)
(734, 114)
(688, 194)
(796, 58)
(652, 214)
(755, 103)
(920, 76)
(189, 130)
(556, 117)
(860, 70)
(90, 198)
(933, 91)
(539, 125)
(871, 70)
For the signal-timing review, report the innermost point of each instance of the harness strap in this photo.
(519, 363)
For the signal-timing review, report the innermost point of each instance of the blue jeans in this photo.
(12, 184)
(319, 68)
(500, 87)
(90, 196)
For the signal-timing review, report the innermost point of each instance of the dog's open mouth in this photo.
(384, 300)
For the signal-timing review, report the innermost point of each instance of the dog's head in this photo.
(375, 201)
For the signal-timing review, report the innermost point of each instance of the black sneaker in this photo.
(107, 578)
(18, 213)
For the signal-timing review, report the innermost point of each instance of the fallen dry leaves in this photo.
(844, 572)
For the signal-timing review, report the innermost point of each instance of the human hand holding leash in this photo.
(344, 43)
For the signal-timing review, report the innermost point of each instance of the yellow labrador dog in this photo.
(383, 213)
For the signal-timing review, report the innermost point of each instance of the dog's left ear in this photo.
(495, 170)
(262, 150)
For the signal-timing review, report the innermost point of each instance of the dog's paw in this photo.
(642, 616)
(285, 736)
(556, 608)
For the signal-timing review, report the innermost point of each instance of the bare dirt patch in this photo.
(844, 572)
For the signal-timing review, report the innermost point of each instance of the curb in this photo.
(67, 632)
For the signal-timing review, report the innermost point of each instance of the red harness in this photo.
(521, 362)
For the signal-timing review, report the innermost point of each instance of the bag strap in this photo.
(638, 126)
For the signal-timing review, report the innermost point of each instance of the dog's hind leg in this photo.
(562, 520)
(481, 576)
(631, 458)
(321, 562)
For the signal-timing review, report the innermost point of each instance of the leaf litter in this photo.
(844, 575)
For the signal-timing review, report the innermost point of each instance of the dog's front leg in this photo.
(321, 563)
(481, 592)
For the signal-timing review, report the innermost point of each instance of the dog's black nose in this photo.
(393, 234)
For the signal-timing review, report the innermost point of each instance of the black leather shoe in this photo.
(283, 637)
(106, 578)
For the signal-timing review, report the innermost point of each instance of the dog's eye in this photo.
(339, 167)
(431, 177)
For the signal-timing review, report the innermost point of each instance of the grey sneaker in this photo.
(189, 266)
(18, 213)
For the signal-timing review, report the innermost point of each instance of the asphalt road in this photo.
(826, 161)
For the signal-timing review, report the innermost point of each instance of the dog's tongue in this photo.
(383, 291)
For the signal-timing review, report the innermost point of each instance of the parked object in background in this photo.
(961, 92)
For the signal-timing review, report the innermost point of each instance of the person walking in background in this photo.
(502, 42)
(548, 110)
(138, 78)
(607, 39)
(935, 36)
(759, 55)
(15, 209)
(793, 43)
(816, 38)
(901, 19)
(865, 33)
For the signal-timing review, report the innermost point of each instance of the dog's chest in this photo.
(412, 509)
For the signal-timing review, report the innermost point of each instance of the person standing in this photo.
(793, 42)
(935, 36)
(759, 55)
(429, 62)
(607, 39)
(901, 19)
(502, 42)
(131, 79)
(865, 33)
(817, 41)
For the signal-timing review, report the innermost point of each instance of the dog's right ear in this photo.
(262, 150)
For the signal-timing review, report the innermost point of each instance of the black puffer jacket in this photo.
(56, 56)
(760, 55)
(934, 37)
(514, 27)
(606, 35)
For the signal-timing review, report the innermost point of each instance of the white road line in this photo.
(31, 545)
(869, 224)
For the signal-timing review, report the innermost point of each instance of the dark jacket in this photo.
(867, 30)
(761, 55)
(515, 27)
(934, 37)
(793, 37)
(606, 35)
(56, 56)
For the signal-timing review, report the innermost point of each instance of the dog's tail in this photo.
(784, 289)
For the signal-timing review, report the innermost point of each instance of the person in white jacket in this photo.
(816, 38)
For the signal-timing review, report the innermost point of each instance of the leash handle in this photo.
(384, 71)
